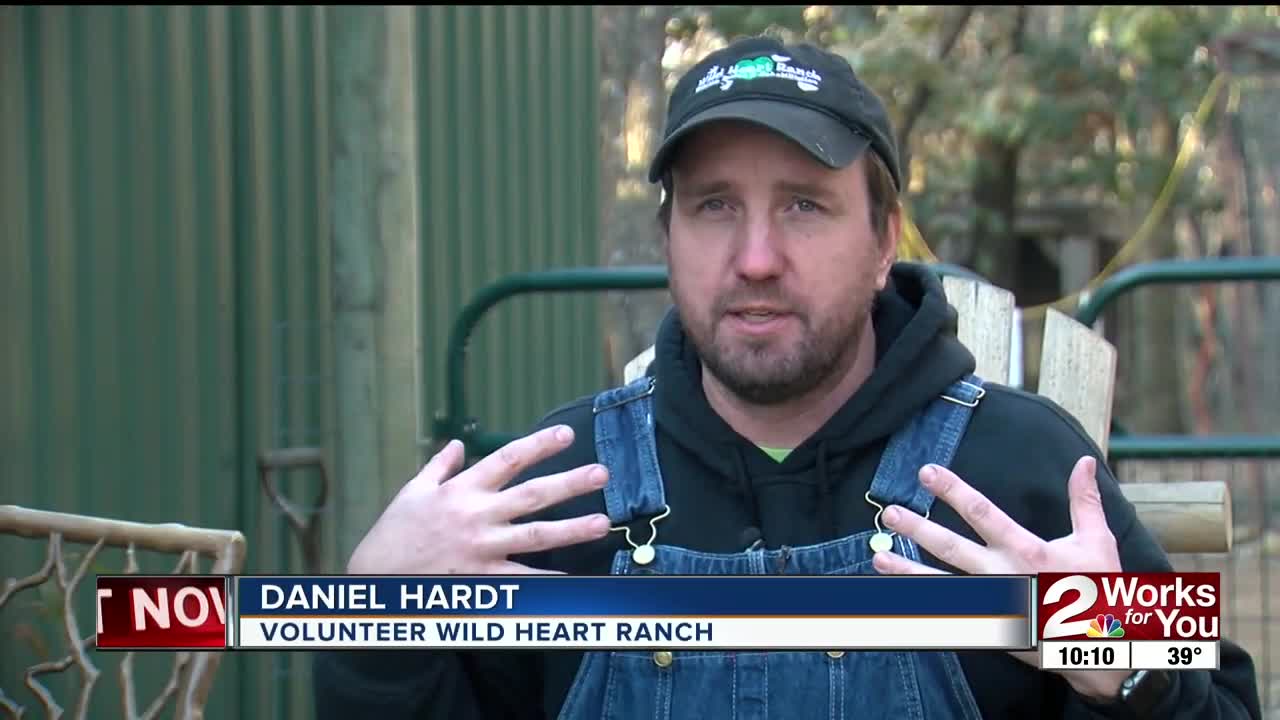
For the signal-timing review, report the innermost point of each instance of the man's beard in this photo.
(771, 372)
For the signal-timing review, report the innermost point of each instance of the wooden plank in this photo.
(1184, 517)
(1077, 371)
(638, 365)
(985, 324)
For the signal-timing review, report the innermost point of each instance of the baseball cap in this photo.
(807, 94)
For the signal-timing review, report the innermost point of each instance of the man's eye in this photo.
(804, 205)
(712, 204)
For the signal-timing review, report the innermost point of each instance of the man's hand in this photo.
(1011, 549)
(446, 522)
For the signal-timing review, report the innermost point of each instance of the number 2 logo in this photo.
(1055, 626)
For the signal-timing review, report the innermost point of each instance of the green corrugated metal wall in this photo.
(509, 148)
(279, 106)
(164, 267)
(166, 270)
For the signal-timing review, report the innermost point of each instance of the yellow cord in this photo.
(913, 248)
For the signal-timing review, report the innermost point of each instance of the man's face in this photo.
(774, 264)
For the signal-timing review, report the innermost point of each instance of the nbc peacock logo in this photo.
(1105, 626)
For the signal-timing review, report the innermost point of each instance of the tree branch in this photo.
(924, 91)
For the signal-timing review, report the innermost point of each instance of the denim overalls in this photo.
(709, 685)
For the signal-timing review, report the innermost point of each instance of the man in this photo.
(809, 410)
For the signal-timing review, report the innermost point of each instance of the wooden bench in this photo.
(192, 673)
(1077, 371)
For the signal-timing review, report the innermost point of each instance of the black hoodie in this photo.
(725, 494)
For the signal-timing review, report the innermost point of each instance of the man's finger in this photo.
(1087, 515)
(548, 534)
(889, 563)
(538, 493)
(950, 548)
(989, 521)
(499, 468)
(443, 465)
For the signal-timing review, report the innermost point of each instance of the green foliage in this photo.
(1078, 92)
(732, 21)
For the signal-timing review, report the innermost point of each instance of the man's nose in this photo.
(758, 254)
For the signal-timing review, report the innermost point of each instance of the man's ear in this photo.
(666, 208)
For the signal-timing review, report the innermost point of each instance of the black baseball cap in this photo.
(807, 94)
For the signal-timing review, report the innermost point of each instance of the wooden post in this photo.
(373, 198)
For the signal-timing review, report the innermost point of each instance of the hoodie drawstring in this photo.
(825, 503)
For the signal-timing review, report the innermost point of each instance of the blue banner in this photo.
(644, 595)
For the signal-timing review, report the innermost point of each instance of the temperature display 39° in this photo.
(1175, 655)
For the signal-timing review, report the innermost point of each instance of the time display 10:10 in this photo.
(1077, 656)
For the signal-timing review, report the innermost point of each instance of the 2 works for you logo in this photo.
(1129, 606)
(764, 66)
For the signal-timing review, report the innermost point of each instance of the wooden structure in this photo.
(1077, 371)
(192, 674)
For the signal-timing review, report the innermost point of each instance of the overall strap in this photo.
(931, 437)
(625, 444)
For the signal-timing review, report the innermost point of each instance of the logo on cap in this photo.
(764, 66)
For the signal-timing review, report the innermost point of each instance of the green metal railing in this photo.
(454, 422)
(1126, 446)
(1169, 272)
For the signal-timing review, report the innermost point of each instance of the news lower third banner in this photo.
(635, 612)
(1076, 620)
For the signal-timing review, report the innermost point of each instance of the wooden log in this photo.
(1184, 517)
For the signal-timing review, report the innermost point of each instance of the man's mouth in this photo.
(757, 315)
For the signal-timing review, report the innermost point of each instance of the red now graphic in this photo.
(170, 612)
(1128, 606)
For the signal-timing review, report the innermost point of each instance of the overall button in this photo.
(662, 658)
(835, 654)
